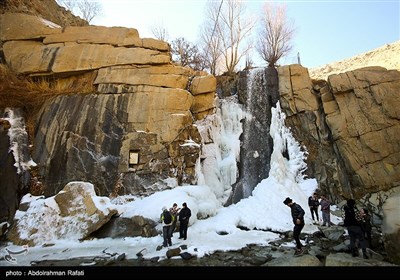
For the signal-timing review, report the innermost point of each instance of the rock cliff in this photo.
(136, 128)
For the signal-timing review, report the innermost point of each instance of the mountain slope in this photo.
(47, 9)
(387, 56)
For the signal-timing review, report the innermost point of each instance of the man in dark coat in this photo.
(298, 220)
(313, 203)
(184, 216)
(353, 221)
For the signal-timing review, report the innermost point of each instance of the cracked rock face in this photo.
(350, 129)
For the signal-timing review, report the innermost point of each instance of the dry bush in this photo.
(30, 93)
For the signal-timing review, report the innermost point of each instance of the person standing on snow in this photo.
(298, 220)
(166, 218)
(313, 203)
(174, 210)
(184, 216)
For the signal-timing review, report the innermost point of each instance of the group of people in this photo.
(314, 202)
(358, 223)
(170, 217)
(358, 226)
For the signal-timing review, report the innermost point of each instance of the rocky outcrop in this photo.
(78, 199)
(37, 47)
(11, 184)
(48, 9)
(119, 227)
(28, 27)
(136, 129)
(349, 126)
(361, 112)
(92, 138)
(130, 134)
(305, 116)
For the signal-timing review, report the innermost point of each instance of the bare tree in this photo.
(186, 54)
(234, 28)
(159, 31)
(228, 36)
(275, 35)
(85, 9)
(89, 9)
(212, 52)
(210, 39)
(249, 62)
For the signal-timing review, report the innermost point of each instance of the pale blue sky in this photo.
(327, 31)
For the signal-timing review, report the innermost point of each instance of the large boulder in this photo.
(72, 214)
(391, 227)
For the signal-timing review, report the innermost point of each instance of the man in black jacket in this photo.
(298, 221)
(353, 220)
(184, 216)
(313, 203)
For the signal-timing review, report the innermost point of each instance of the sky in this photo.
(326, 31)
(263, 212)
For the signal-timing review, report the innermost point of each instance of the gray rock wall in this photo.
(90, 137)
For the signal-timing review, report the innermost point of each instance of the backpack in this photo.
(167, 217)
